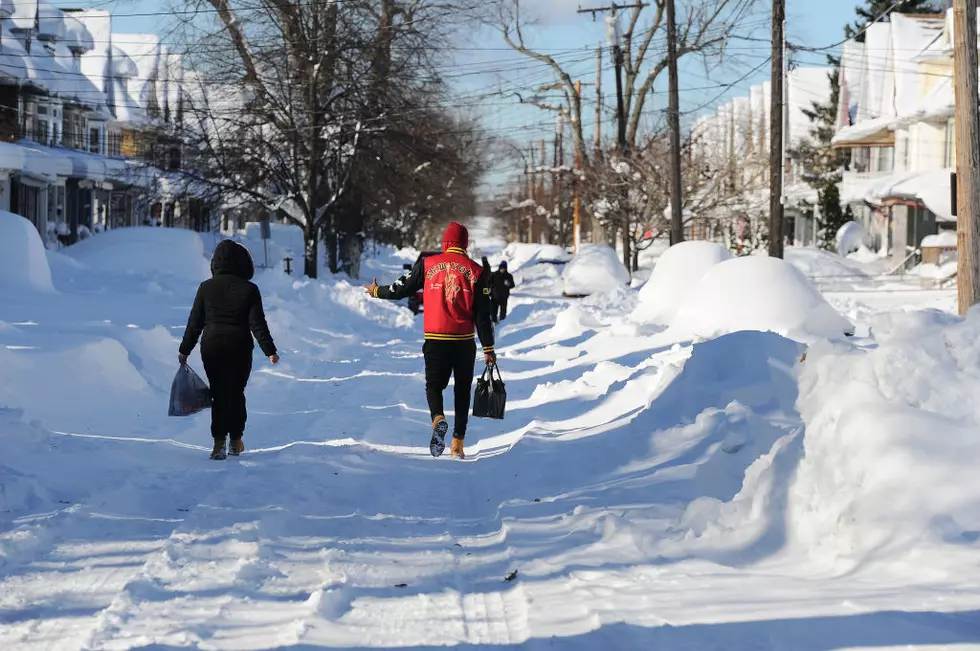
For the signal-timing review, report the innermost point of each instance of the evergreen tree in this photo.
(822, 164)
(872, 9)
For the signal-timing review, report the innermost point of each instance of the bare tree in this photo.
(704, 28)
(294, 96)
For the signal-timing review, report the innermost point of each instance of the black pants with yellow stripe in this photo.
(442, 360)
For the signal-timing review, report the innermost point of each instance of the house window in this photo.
(949, 144)
(94, 139)
(173, 160)
(29, 125)
(884, 159)
(76, 133)
(860, 159)
(115, 143)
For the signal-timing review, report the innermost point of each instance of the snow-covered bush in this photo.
(759, 293)
(23, 260)
(850, 237)
(677, 273)
(595, 269)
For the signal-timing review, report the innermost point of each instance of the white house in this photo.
(895, 117)
(72, 133)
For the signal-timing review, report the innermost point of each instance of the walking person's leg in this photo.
(438, 368)
(216, 368)
(503, 307)
(238, 414)
(464, 363)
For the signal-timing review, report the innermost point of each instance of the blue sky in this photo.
(487, 73)
(560, 30)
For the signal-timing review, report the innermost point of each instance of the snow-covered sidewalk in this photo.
(641, 493)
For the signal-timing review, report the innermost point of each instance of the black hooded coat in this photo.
(228, 306)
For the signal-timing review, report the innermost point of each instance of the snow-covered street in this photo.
(642, 492)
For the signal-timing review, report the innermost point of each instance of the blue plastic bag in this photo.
(189, 394)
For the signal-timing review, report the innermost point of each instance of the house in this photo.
(732, 146)
(896, 119)
(70, 100)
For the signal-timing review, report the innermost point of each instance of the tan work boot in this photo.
(456, 450)
(236, 447)
(437, 444)
(218, 453)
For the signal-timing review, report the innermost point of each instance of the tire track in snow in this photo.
(166, 580)
(489, 616)
(72, 561)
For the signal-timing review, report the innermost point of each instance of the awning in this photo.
(44, 162)
(12, 157)
(931, 188)
(878, 132)
(86, 165)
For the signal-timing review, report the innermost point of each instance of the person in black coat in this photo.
(228, 311)
(501, 282)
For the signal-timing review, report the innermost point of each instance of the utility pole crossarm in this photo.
(613, 7)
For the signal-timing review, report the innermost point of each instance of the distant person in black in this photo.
(228, 310)
(501, 283)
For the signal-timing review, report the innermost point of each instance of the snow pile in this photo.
(145, 251)
(677, 273)
(758, 293)
(850, 237)
(519, 254)
(945, 239)
(891, 449)
(817, 263)
(23, 261)
(595, 269)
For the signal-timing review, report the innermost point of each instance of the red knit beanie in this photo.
(456, 236)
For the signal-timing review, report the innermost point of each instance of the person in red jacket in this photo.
(456, 294)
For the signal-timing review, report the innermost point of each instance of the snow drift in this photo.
(758, 293)
(891, 451)
(595, 269)
(23, 261)
(145, 251)
(677, 273)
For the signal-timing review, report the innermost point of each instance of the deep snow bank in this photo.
(676, 274)
(891, 443)
(758, 293)
(595, 269)
(145, 251)
(23, 261)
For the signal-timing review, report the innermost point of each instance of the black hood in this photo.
(230, 257)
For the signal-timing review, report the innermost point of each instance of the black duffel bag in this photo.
(490, 397)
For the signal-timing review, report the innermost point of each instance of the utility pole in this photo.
(776, 130)
(577, 210)
(597, 154)
(674, 118)
(613, 38)
(532, 183)
(967, 153)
